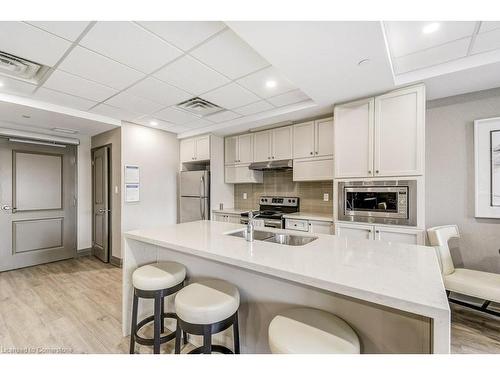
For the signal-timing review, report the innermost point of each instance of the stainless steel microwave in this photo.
(384, 202)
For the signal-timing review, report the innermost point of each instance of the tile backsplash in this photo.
(281, 183)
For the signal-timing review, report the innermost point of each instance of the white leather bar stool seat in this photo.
(157, 276)
(311, 331)
(206, 302)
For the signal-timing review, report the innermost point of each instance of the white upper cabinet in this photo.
(353, 139)
(381, 136)
(245, 148)
(195, 149)
(230, 150)
(282, 143)
(399, 132)
(324, 137)
(303, 140)
(262, 146)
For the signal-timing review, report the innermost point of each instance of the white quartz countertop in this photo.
(309, 216)
(405, 277)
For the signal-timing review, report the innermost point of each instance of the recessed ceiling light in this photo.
(363, 62)
(64, 130)
(271, 84)
(1, 84)
(153, 123)
(430, 28)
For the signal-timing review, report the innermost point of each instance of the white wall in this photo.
(156, 152)
(450, 176)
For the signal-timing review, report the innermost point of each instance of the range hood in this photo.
(272, 165)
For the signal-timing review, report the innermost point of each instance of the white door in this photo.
(202, 148)
(353, 139)
(303, 140)
(187, 152)
(324, 137)
(399, 132)
(245, 148)
(282, 143)
(399, 235)
(230, 150)
(262, 146)
(360, 231)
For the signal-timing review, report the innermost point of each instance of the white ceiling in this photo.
(139, 71)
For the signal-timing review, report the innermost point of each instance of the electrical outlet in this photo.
(326, 197)
(245, 196)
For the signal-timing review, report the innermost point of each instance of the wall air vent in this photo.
(199, 107)
(19, 68)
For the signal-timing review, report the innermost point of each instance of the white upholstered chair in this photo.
(478, 284)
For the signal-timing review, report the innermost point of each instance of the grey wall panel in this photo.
(37, 182)
(38, 234)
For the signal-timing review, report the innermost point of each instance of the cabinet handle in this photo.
(273, 157)
(311, 153)
(377, 231)
(369, 172)
(269, 157)
(376, 171)
(316, 152)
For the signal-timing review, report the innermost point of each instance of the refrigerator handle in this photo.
(202, 195)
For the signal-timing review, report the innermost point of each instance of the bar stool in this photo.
(206, 308)
(311, 331)
(155, 281)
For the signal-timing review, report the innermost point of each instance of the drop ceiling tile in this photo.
(256, 82)
(184, 34)
(288, 98)
(486, 41)
(200, 123)
(191, 75)
(117, 113)
(230, 55)
(134, 103)
(222, 116)
(254, 108)
(153, 122)
(63, 99)
(159, 92)
(178, 129)
(406, 37)
(130, 44)
(230, 96)
(175, 116)
(489, 25)
(14, 86)
(432, 56)
(31, 43)
(74, 85)
(87, 64)
(69, 30)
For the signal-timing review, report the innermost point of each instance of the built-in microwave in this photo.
(384, 202)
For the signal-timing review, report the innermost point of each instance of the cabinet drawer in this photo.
(302, 225)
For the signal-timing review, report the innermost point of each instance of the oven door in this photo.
(377, 201)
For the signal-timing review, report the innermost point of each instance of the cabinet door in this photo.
(245, 148)
(282, 143)
(230, 150)
(399, 132)
(323, 227)
(353, 139)
(202, 148)
(238, 174)
(235, 219)
(303, 140)
(219, 217)
(354, 231)
(187, 150)
(324, 137)
(400, 235)
(262, 146)
(313, 169)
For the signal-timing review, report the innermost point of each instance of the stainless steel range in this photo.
(271, 211)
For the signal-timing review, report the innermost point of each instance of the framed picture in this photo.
(487, 167)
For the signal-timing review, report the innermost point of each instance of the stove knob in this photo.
(289, 201)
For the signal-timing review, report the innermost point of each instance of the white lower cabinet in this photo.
(226, 218)
(240, 174)
(381, 233)
(311, 226)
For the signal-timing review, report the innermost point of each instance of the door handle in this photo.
(202, 194)
(101, 210)
(6, 207)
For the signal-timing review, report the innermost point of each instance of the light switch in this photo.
(245, 196)
(326, 197)
(116, 189)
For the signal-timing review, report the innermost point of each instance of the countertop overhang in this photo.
(401, 276)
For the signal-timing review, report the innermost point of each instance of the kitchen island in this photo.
(391, 294)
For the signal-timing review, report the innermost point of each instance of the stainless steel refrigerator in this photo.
(194, 193)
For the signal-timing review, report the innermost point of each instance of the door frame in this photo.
(109, 146)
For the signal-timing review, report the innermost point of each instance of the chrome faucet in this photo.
(250, 225)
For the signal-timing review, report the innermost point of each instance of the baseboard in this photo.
(115, 261)
(83, 252)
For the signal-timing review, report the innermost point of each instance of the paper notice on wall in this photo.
(131, 174)
(132, 192)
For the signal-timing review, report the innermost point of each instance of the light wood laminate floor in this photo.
(74, 306)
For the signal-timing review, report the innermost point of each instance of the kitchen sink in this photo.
(279, 238)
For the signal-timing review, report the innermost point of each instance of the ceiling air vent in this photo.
(199, 107)
(17, 67)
